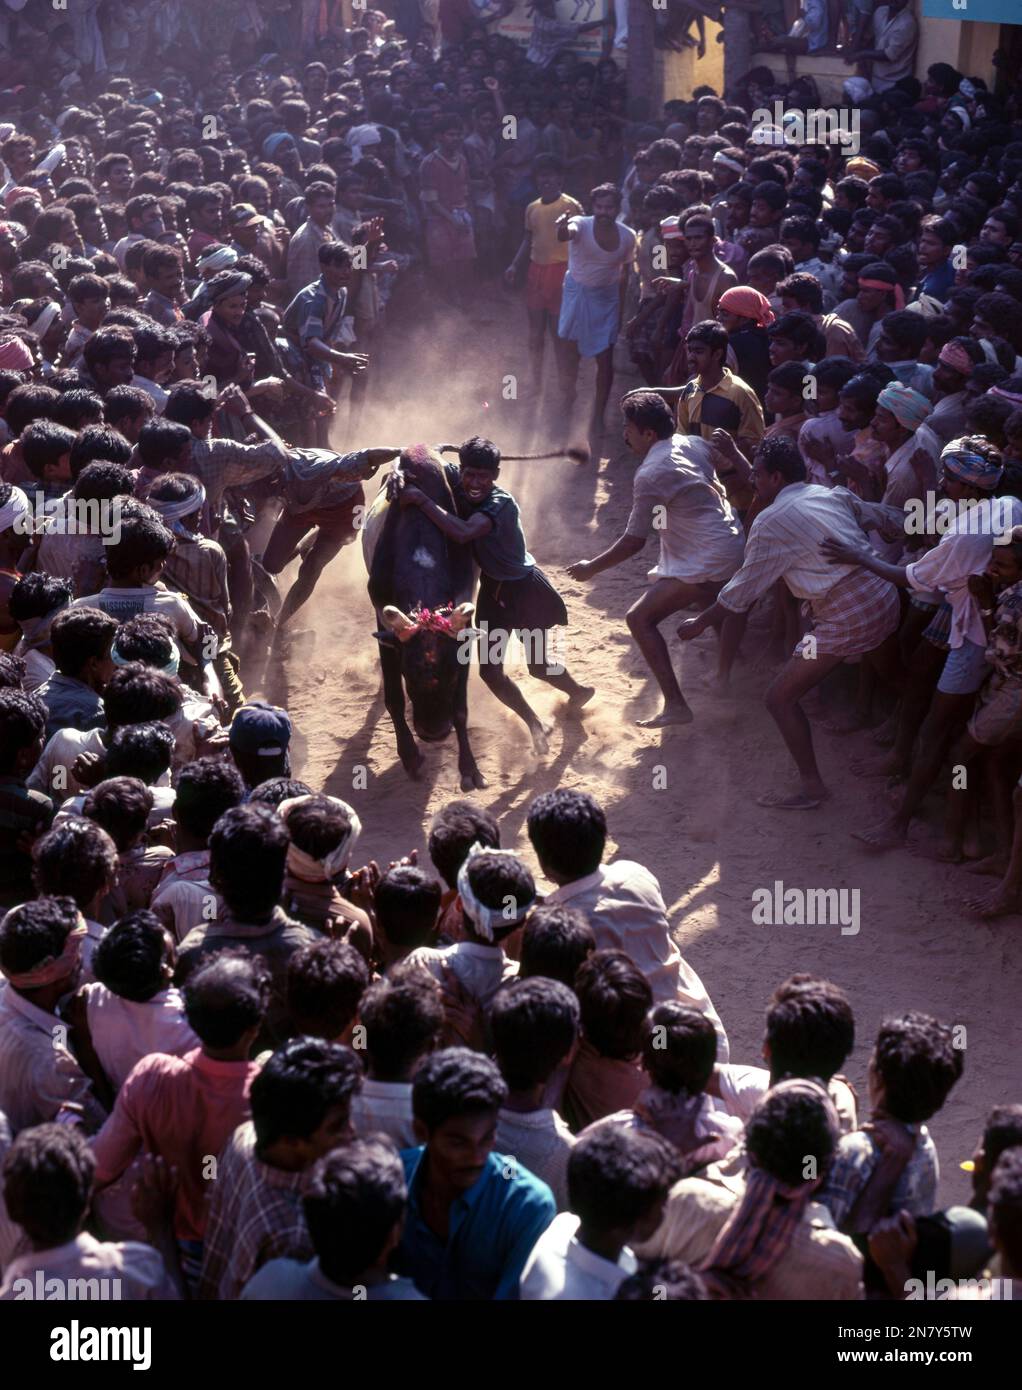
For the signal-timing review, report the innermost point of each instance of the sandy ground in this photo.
(679, 801)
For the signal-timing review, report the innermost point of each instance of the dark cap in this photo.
(261, 729)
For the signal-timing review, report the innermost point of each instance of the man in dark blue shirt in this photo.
(473, 1215)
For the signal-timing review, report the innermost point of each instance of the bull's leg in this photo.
(394, 699)
(471, 777)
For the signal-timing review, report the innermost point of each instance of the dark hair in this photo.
(617, 1176)
(22, 724)
(296, 1088)
(247, 855)
(43, 444)
(325, 981)
(833, 371)
(500, 881)
(406, 903)
(454, 1082)
(76, 859)
(356, 1197)
(453, 831)
(78, 407)
(144, 750)
(679, 1048)
(1003, 1130)
(102, 482)
(781, 455)
(48, 1177)
(709, 332)
(810, 1029)
(804, 288)
(78, 635)
(226, 996)
(276, 790)
(556, 940)
(136, 694)
(906, 329)
(189, 402)
(403, 1018)
(205, 789)
(775, 195)
(161, 441)
(121, 806)
(29, 402)
(533, 1025)
(106, 344)
(35, 595)
(789, 1126)
(801, 329)
(789, 376)
(568, 831)
(614, 997)
(478, 452)
(144, 541)
(318, 826)
(1004, 1206)
(647, 410)
(101, 442)
(918, 1063)
(36, 931)
(130, 957)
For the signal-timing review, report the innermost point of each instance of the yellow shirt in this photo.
(540, 222)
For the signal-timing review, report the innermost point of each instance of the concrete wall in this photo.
(678, 74)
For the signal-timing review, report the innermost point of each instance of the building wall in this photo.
(678, 74)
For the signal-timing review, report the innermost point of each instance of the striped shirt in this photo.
(784, 543)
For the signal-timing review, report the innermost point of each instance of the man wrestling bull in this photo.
(515, 595)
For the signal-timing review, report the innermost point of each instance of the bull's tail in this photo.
(578, 453)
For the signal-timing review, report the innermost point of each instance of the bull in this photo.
(420, 584)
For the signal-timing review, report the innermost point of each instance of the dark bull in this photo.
(414, 569)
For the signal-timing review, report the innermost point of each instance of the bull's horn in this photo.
(461, 616)
(398, 623)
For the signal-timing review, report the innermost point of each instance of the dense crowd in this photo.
(235, 1060)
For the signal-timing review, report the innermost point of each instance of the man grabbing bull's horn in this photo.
(515, 595)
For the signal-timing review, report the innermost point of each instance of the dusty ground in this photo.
(681, 801)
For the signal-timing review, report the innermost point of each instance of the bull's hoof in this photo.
(473, 780)
(413, 763)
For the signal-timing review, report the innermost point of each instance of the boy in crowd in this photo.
(473, 1215)
(354, 1211)
(618, 1181)
(534, 1027)
(301, 1109)
(402, 1017)
(621, 900)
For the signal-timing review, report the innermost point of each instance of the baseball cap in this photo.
(262, 729)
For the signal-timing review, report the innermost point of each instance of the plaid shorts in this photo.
(855, 616)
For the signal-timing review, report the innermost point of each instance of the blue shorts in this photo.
(965, 669)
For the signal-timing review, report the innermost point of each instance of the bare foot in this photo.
(886, 834)
(1000, 903)
(540, 737)
(801, 799)
(887, 733)
(845, 724)
(580, 697)
(671, 714)
(884, 765)
(993, 866)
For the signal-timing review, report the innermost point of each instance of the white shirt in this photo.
(560, 1267)
(589, 264)
(52, 773)
(742, 1089)
(38, 1071)
(676, 492)
(131, 1271)
(964, 550)
(627, 913)
(480, 969)
(384, 1107)
(784, 543)
(163, 807)
(123, 1031)
(541, 1142)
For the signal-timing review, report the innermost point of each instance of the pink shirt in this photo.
(184, 1109)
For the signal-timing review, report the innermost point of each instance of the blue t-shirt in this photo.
(493, 1227)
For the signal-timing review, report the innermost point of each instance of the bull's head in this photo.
(433, 659)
